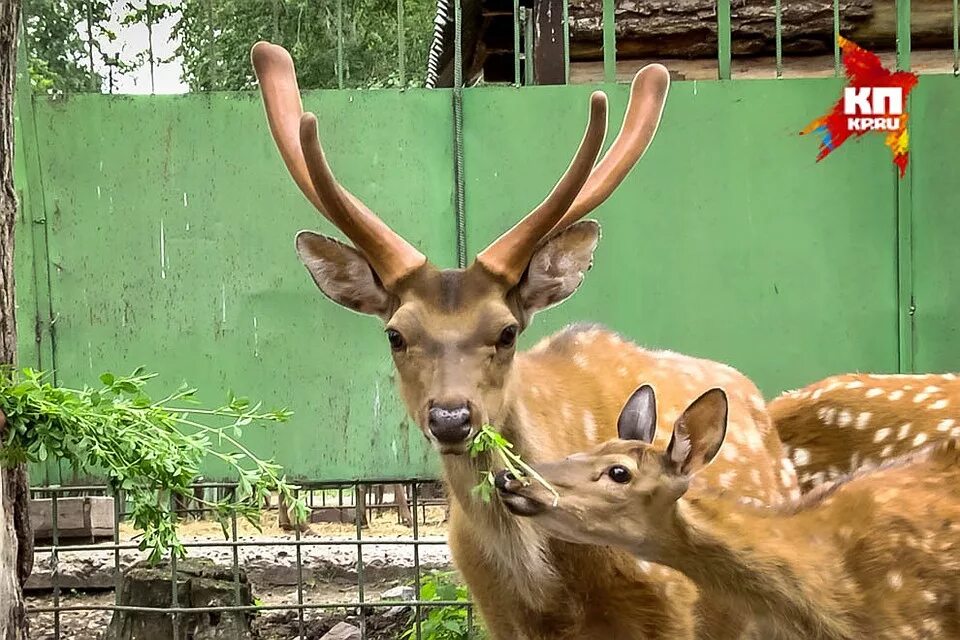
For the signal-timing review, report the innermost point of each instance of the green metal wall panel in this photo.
(171, 238)
(728, 241)
(934, 146)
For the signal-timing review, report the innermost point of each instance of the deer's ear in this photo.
(638, 418)
(698, 433)
(343, 274)
(558, 266)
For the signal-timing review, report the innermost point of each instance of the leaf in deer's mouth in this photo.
(489, 440)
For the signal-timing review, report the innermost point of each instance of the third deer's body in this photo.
(876, 555)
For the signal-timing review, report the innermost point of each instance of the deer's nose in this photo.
(502, 479)
(450, 424)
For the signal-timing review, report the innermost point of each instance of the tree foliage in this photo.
(356, 43)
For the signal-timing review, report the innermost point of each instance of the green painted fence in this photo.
(158, 231)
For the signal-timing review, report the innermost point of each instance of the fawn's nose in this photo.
(502, 479)
(450, 424)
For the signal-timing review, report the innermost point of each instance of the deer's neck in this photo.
(783, 569)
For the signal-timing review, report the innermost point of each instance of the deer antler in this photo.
(508, 255)
(295, 133)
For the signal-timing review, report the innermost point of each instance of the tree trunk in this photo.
(16, 539)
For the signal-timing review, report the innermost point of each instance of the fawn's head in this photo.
(453, 332)
(622, 476)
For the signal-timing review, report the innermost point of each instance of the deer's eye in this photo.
(619, 473)
(507, 337)
(397, 343)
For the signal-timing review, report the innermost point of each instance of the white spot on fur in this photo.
(920, 397)
(895, 579)
(881, 434)
(755, 476)
(919, 439)
(863, 419)
(886, 451)
(929, 596)
(874, 392)
(940, 404)
(946, 425)
(932, 389)
(730, 451)
(801, 457)
(787, 472)
(590, 426)
(844, 418)
(727, 478)
(580, 360)
(904, 431)
(816, 394)
(856, 384)
(895, 395)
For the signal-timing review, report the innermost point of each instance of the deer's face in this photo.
(622, 492)
(452, 333)
(596, 489)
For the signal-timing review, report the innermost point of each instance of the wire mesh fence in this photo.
(363, 538)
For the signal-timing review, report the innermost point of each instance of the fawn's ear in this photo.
(638, 418)
(698, 433)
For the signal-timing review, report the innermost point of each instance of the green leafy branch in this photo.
(150, 449)
(489, 440)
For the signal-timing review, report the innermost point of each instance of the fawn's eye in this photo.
(397, 343)
(507, 337)
(619, 473)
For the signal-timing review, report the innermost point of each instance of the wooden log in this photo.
(688, 28)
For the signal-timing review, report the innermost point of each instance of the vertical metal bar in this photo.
(340, 44)
(296, 530)
(90, 43)
(956, 37)
(903, 35)
(116, 549)
(236, 559)
(153, 86)
(174, 597)
(566, 42)
(517, 20)
(836, 38)
(55, 564)
(778, 28)
(905, 297)
(905, 293)
(400, 46)
(418, 612)
(358, 509)
(609, 42)
(723, 39)
(276, 21)
(528, 64)
(459, 193)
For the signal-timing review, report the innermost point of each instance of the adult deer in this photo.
(838, 424)
(453, 336)
(876, 555)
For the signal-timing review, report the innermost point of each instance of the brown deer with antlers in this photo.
(875, 555)
(453, 337)
(845, 422)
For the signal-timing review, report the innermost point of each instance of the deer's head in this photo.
(453, 332)
(627, 476)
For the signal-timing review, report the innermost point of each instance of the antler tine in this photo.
(390, 255)
(648, 94)
(509, 255)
